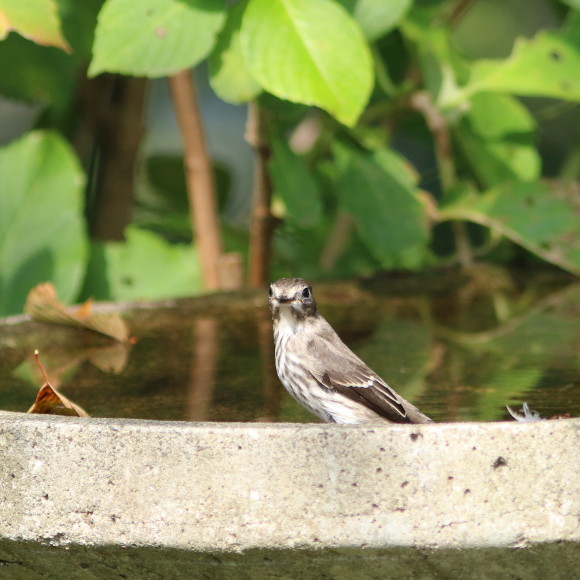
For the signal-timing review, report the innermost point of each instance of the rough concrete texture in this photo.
(233, 487)
(100, 498)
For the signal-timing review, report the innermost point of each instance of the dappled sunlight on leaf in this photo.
(317, 55)
(179, 36)
(229, 75)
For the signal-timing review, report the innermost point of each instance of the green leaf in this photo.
(310, 52)
(381, 194)
(229, 76)
(36, 20)
(155, 38)
(443, 67)
(572, 3)
(547, 65)
(35, 74)
(377, 17)
(295, 184)
(79, 20)
(543, 219)
(143, 267)
(42, 232)
(497, 135)
(47, 75)
(571, 26)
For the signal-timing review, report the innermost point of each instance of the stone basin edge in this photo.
(232, 487)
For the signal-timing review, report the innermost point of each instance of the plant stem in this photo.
(337, 240)
(262, 221)
(199, 178)
(458, 11)
(422, 102)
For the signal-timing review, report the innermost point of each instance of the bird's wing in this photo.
(335, 366)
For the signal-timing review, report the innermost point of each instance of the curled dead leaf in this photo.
(50, 402)
(43, 305)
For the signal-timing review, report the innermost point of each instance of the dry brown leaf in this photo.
(43, 305)
(50, 402)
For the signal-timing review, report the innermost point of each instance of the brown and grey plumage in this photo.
(320, 371)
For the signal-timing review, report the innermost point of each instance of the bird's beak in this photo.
(284, 300)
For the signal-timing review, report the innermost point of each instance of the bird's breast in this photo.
(287, 323)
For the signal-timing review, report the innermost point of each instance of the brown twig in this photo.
(421, 101)
(262, 221)
(337, 241)
(199, 177)
(458, 11)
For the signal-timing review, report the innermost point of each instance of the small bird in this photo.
(320, 371)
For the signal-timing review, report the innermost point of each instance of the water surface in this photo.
(460, 346)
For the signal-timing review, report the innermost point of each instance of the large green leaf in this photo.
(381, 193)
(42, 233)
(230, 78)
(155, 38)
(377, 17)
(543, 219)
(144, 266)
(497, 135)
(310, 52)
(36, 20)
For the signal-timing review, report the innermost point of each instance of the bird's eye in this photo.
(306, 293)
(271, 292)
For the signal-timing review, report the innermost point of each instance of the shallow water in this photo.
(459, 346)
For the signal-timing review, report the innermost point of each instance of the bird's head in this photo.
(292, 297)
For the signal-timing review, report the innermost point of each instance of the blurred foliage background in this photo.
(320, 138)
